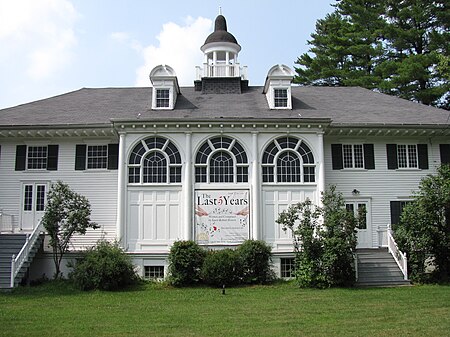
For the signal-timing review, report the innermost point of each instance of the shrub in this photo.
(185, 263)
(424, 229)
(222, 267)
(104, 267)
(256, 262)
(324, 240)
(66, 213)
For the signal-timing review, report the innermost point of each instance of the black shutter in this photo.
(391, 150)
(80, 157)
(21, 157)
(113, 156)
(445, 153)
(396, 210)
(422, 150)
(52, 157)
(369, 158)
(336, 156)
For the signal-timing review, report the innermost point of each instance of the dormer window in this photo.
(278, 87)
(280, 97)
(162, 98)
(165, 88)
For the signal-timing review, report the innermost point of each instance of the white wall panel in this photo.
(159, 224)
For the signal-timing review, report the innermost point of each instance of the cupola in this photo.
(221, 72)
(277, 87)
(165, 87)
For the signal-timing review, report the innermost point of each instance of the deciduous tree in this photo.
(324, 241)
(66, 213)
(424, 228)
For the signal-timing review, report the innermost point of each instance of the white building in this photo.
(215, 162)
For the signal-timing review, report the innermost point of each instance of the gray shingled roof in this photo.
(344, 105)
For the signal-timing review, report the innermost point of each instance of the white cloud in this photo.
(120, 37)
(37, 36)
(179, 47)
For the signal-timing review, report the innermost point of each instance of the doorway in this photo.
(34, 197)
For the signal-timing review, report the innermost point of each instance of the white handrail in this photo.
(221, 70)
(398, 255)
(18, 260)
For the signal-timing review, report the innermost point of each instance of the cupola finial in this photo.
(220, 10)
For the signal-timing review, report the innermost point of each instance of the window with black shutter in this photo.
(407, 156)
(352, 156)
(36, 157)
(92, 157)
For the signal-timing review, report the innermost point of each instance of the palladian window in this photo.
(221, 160)
(154, 160)
(288, 160)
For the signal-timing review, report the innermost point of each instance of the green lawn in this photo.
(279, 310)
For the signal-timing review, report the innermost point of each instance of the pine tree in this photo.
(393, 46)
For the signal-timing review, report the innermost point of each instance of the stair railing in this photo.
(355, 261)
(18, 260)
(398, 255)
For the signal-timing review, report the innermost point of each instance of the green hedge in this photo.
(190, 264)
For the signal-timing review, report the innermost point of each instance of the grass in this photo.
(56, 309)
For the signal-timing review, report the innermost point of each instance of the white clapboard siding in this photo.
(99, 186)
(380, 185)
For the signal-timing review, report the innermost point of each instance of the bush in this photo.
(424, 229)
(222, 267)
(185, 263)
(104, 267)
(324, 240)
(256, 262)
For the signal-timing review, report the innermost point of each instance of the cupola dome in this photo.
(220, 33)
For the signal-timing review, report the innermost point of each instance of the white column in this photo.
(187, 190)
(256, 188)
(227, 63)
(121, 191)
(321, 164)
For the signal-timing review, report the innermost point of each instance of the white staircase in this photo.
(378, 268)
(23, 249)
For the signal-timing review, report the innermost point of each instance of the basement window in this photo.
(287, 267)
(154, 272)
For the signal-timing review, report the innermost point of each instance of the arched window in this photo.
(288, 160)
(154, 160)
(221, 160)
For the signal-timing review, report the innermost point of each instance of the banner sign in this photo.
(221, 217)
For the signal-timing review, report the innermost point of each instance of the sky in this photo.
(51, 47)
